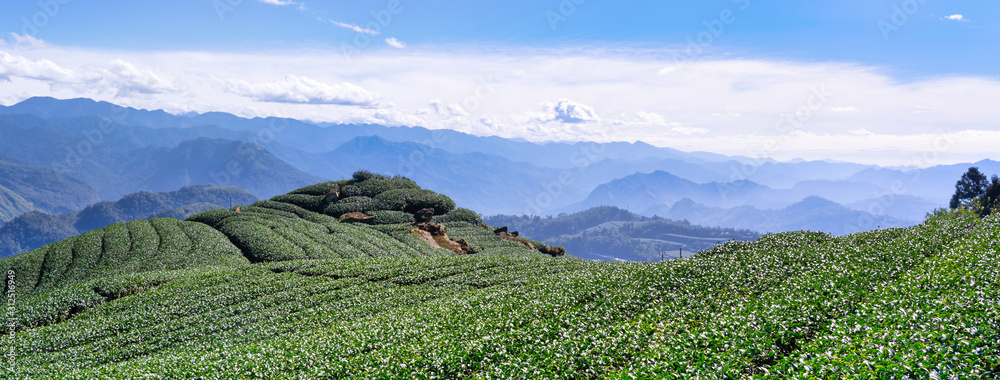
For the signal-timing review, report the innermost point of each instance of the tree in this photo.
(971, 186)
(987, 202)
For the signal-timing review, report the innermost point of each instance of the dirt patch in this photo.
(352, 217)
(436, 236)
(504, 234)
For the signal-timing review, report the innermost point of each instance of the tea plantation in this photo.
(283, 289)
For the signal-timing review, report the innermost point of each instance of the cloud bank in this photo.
(731, 106)
(301, 90)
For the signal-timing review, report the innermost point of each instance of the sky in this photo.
(893, 83)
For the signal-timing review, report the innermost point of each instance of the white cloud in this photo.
(302, 90)
(26, 41)
(278, 2)
(119, 77)
(448, 111)
(957, 17)
(392, 41)
(355, 28)
(844, 109)
(568, 111)
(41, 69)
(125, 79)
(668, 70)
(652, 118)
(860, 132)
(687, 131)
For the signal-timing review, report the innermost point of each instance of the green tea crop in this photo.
(285, 292)
(123, 248)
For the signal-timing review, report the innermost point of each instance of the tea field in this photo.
(282, 289)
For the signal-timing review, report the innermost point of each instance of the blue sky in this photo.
(926, 44)
(705, 75)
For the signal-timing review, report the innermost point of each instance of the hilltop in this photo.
(345, 280)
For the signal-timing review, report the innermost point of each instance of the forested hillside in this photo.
(25, 187)
(610, 233)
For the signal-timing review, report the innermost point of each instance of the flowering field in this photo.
(315, 298)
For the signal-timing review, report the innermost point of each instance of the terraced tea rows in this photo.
(306, 296)
(136, 246)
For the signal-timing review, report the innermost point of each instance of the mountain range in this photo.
(119, 150)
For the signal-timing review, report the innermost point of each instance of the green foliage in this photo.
(258, 241)
(390, 217)
(308, 202)
(319, 189)
(183, 213)
(328, 299)
(989, 202)
(211, 218)
(121, 248)
(459, 215)
(944, 214)
(972, 184)
(977, 193)
(377, 185)
(916, 302)
(353, 204)
(364, 175)
(414, 200)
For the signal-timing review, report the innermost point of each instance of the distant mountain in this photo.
(475, 180)
(34, 229)
(516, 176)
(128, 159)
(812, 213)
(25, 187)
(906, 207)
(610, 233)
(641, 191)
(221, 162)
(324, 137)
(644, 192)
(935, 184)
(111, 172)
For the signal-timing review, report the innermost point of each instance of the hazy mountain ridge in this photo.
(654, 194)
(812, 213)
(490, 174)
(120, 162)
